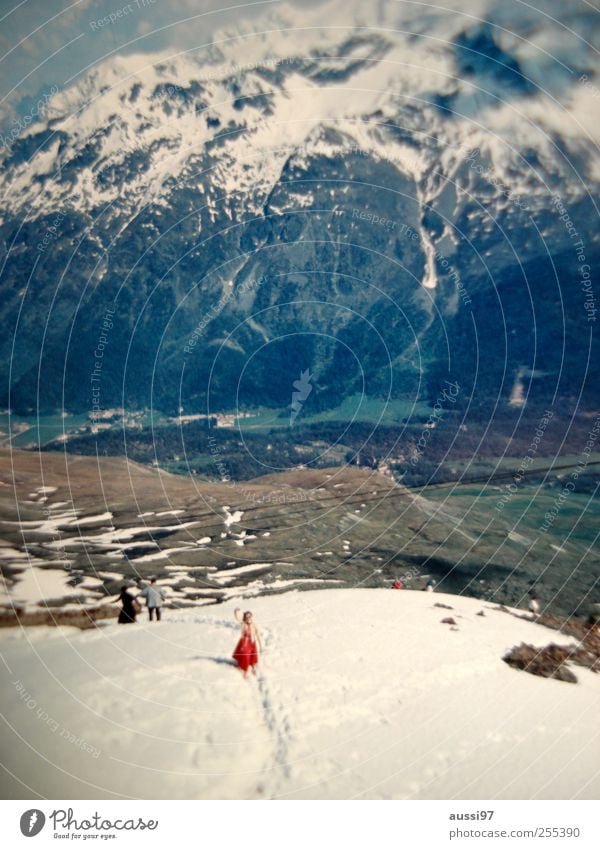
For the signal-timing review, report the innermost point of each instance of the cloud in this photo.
(56, 40)
(53, 42)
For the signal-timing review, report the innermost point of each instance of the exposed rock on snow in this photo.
(552, 661)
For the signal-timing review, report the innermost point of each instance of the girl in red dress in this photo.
(246, 651)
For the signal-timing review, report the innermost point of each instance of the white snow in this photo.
(46, 526)
(293, 582)
(10, 553)
(90, 583)
(515, 537)
(231, 518)
(37, 584)
(243, 538)
(241, 570)
(163, 554)
(90, 520)
(360, 694)
(116, 539)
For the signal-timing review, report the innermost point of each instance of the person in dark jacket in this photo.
(129, 607)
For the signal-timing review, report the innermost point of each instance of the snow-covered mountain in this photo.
(388, 197)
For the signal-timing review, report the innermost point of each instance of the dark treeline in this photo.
(213, 452)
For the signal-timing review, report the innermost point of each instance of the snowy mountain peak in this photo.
(134, 124)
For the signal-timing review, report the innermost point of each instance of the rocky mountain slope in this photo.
(384, 201)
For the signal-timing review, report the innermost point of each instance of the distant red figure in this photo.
(398, 585)
(246, 651)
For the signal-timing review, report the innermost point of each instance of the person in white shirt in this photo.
(154, 599)
(534, 606)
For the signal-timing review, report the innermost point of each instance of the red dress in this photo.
(246, 654)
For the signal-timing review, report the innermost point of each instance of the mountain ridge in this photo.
(167, 192)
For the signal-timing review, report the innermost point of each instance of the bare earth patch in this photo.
(552, 661)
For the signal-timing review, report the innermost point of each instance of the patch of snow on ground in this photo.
(37, 584)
